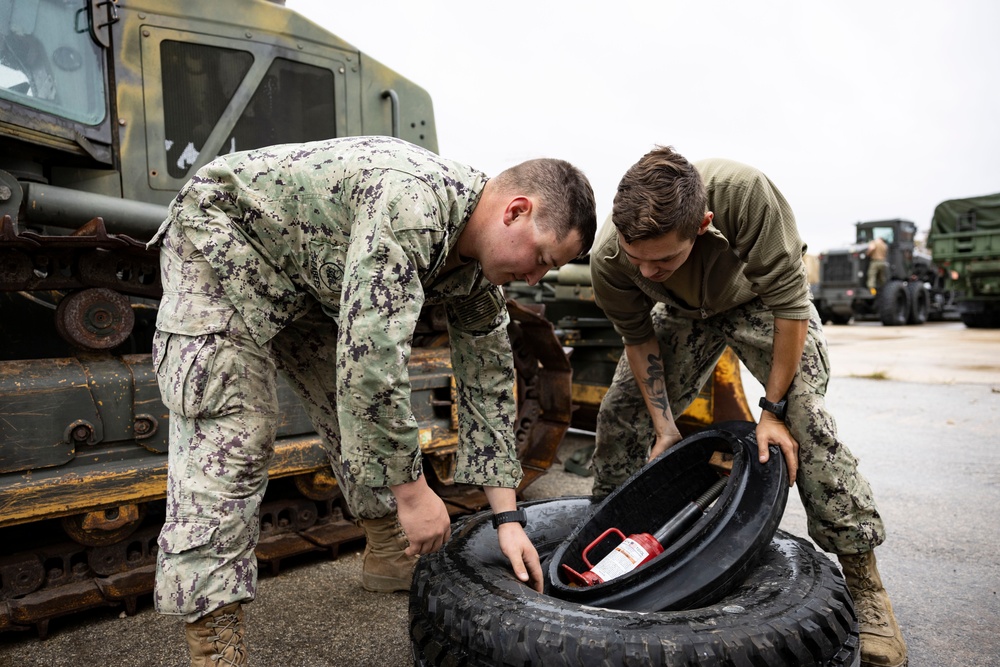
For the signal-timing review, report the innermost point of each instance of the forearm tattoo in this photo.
(656, 385)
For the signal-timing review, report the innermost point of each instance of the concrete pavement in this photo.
(926, 439)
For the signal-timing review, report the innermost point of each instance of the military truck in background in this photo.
(965, 241)
(914, 292)
(106, 110)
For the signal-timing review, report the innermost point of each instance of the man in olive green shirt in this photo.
(703, 256)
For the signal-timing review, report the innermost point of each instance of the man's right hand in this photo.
(663, 443)
(422, 515)
(517, 546)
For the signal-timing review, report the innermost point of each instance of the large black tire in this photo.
(829, 315)
(894, 304)
(987, 320)
(920, 303)
(713, 555)
(466, 608)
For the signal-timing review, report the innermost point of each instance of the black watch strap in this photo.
(777, 409)
(510, 517)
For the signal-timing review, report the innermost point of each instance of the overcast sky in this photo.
(856, 109)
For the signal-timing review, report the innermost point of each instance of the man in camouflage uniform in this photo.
(700, 257)
(315, 259)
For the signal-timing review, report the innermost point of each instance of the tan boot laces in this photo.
(227, 641)
(217, 640)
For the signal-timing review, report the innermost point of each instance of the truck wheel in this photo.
(466, 608)
(920, 303)
(894, 304)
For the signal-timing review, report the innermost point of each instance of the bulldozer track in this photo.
(63, 577)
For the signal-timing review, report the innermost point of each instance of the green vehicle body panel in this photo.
(965, 241)
(122, 155)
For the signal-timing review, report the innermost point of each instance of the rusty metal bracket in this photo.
(545, 380)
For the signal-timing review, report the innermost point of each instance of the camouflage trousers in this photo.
(221, 390)
(878, 273)
(841, 513)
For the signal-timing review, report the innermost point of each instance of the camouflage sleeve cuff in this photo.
(374, 471)
(506, 475)
(483, 367)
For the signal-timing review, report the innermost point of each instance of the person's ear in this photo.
(705, 223)
(517, 207)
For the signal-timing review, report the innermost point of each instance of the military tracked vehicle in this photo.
(106, 110)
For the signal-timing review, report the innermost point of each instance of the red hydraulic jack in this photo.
(640, 548)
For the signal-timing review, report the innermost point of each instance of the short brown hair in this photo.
(660, 193)
(565, 197)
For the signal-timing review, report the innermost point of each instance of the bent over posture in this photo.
(700, 257)
(315, 260)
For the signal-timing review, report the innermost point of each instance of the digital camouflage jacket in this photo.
(363, 226)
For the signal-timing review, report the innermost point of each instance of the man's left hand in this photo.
(516, 546)
(772, 431)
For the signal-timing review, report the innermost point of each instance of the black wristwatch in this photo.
(510, 517)
(777, 409)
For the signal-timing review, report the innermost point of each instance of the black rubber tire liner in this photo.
(708, 560)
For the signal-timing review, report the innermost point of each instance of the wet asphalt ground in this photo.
(919, 406)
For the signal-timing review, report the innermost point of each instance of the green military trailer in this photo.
(965, 241)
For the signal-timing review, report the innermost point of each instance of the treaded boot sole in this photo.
(905, 663)
(380, 583)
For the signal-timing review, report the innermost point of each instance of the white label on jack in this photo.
(625, 558)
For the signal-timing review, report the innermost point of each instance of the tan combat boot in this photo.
(882, 642)
(216, 640)
(385, 568)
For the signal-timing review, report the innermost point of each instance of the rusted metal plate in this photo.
(96, 318)
(110, 481)
(41, 404)
(544, 391)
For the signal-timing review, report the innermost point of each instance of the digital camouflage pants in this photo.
(842, 517)
(221, 390)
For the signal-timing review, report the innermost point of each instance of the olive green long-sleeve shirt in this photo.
(752, 248)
